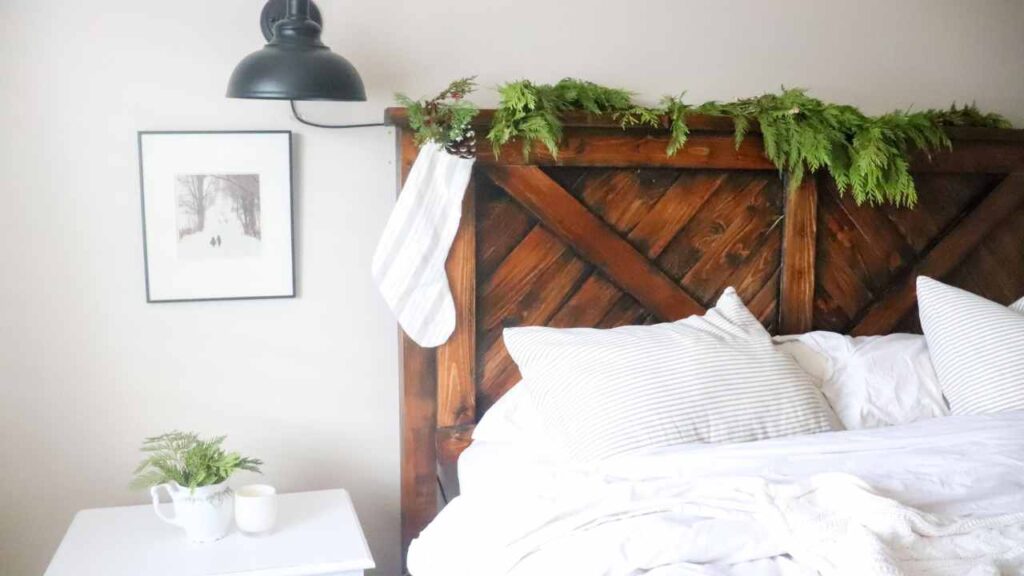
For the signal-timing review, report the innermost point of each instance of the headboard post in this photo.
(799, 242)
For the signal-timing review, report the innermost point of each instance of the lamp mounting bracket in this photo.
(275, 10)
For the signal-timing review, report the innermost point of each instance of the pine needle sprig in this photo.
(445, 118)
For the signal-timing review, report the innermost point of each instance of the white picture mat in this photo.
(165, 156)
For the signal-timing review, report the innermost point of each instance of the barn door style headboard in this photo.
(615, 232)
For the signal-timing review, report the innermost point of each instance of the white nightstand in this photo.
(317, 534)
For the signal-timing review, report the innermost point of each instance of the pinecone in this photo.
(464, 147)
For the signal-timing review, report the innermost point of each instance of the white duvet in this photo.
(940, 497)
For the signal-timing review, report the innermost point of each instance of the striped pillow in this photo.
(711, 378)
(977, 347)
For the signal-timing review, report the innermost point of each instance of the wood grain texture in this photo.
(595, 241)
(418, 375)
(456, 358)
(796, 302)
(954, 247)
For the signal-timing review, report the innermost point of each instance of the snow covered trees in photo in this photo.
(218, 215)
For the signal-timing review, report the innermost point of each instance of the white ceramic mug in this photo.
(255, 508)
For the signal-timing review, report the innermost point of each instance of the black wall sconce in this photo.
(295, 64)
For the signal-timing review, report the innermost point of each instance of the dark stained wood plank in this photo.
(945, 256)
(456, 358)
(588, 305)
(750, 278)
(418, 406)
(516, 275)
(994, 268)
(941, 199)
(622, 197)
(974, 157)
(618, 149)
(595, 241)
(625, 312)
(709, 223)
(882, 249)
(569, 177)
(841, 273)
(534, 307)
(407, 152)
(503, 224)
(765, 304)
(673, 211)
(740, 238)
(418, 377)
(800, 236)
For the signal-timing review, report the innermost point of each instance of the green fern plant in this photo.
(445, 118)
(187, 459)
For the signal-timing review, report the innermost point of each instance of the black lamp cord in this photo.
(295, 113)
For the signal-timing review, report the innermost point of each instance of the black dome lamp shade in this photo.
(295, 64)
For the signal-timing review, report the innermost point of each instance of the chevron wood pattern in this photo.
(614, 233)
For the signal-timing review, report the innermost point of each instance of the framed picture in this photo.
(217, 215)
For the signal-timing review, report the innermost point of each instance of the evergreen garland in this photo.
(532, 112)
(868, 156)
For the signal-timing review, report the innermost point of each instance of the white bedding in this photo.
(739, 509)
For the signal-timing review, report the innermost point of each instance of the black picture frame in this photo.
(293, 280)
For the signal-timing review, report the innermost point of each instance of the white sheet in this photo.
(524, 515)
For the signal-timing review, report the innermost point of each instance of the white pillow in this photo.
(871, 381)
(513, 418)
(977, 346)
(711, 378)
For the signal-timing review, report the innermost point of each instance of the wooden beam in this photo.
(595, 241)
(418, 375)
(884, 315)
(796, 297)
(616, 148)
(456, 358)
(996, 156)
(601, 141)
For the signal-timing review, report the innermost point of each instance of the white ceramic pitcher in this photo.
(205, 512)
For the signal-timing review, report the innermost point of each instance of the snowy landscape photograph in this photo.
(218, 216)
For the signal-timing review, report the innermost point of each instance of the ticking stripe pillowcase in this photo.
(977, 347)
(711, 378)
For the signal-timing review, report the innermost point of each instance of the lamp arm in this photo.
(295, 113)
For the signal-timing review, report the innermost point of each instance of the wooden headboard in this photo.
(615, 232)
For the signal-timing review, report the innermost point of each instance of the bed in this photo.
(615, 233)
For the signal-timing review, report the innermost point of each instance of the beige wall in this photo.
(87, 368)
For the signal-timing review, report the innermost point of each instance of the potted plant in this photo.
(194, 473)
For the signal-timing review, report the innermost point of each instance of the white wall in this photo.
(87, 368)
